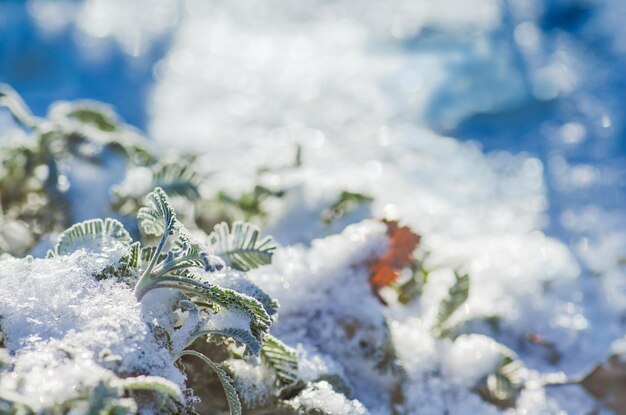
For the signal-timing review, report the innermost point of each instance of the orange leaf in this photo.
(403, 242)
(382, 274)
(386, 269)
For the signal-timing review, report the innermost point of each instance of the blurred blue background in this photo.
(567, 58)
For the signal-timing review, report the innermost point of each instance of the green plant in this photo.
(34, 182)
(178, 263)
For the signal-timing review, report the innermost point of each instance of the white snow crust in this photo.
(67, 331)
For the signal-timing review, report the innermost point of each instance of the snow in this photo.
(254, 381)
(323, 397)
(67, 331)
(343, 322)
(362, 98)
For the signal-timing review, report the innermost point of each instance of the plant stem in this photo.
(145, 276)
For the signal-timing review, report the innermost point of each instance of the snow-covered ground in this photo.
(493, 128)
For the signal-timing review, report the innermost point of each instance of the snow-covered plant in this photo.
(187, 290)
(177, 177)
(34, 160)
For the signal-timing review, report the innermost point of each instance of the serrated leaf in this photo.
(89, 112)
(232, 300)
(94, 235)
(158, 216)
(249, 288)
(281, 358)
(232, 397)
(502, 386)
(153, 383)
(457, 295)
(147, 252)
(191, 254)
(12, 101)
(240, 336)
(259, 319)
(105, 399)
(177, 179)
(241, 247)
(346, 203)
(132, 259)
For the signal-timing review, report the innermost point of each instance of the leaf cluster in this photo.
(34, 180)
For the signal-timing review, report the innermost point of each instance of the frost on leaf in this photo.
(176, 178)
(281, 358)
(347, 202)
(232, 397)
(457, 295)
(501, 387)
(158, 217)
(11, 100)
(94, 235)
(241, 247)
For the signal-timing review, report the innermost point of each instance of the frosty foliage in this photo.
(56, 170)
(69, 333)
(129, 363)
(345, 94)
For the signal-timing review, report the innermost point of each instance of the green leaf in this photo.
(260, 321)
(158, 217)
(412, 288)
(147, 252)
(347, 202)
(94, 235)
(93, 113)
(132, 260)
(247, 205)
(457, 295)
(247, 287)
(281, 358)
(230, 299)
(227, 383)
(240, 336)
(241, 247)
(502, 386)
(177, 179)
(11, 100)
(105, 399)
(190, 254)
(155, 384)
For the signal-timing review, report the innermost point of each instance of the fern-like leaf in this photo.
(158, 217)
(87, 112)
(502, 386)
(241, 247)
(223, 297)
(155, 384)
(177, 179)
(93, 235)
(281, 358)
(240, 336)
(232, 397)
(247, 287)
(191, 254)
(132, 259)
(11, 100)
(457, 295)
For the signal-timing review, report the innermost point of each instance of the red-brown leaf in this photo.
(386, 269)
